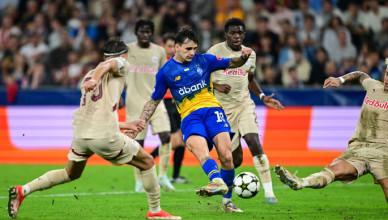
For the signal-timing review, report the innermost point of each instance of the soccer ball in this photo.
(246, 185)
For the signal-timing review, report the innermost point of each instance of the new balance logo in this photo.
(177, 78)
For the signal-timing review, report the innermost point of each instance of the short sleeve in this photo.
(252, 63)
(120, 66)
(369, 83)
(160, 88)
(216, 63)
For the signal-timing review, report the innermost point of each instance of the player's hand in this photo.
(130, 133)
(224, 88)
(139, 125)
(246, 52)
(273, 103)
(90, 85)
(332, 82)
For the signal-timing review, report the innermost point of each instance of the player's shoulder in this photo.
(131, 44)
(217, 47)
(157, 47)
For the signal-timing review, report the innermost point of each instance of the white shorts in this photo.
(119, 149)
(243, 120)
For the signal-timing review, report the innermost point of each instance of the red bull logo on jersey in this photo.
(235, 72)
(143, 69)
(376, 103)
(186, 90)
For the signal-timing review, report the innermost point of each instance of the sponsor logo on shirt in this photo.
(186, 90)
(235, 72)
(154, 59)
(143, 69)
(177, 78)
(376, 103)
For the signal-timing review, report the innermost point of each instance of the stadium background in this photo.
(47, 46)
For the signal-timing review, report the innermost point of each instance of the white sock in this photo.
(155, 209)
(268, 191)
(26, 190)
(226, 200)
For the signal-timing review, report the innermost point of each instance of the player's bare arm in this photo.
(137, 125)
(224, 88)
(149, 109)
(336, 81)
(241, 60)
(269, 101)
(101, 69)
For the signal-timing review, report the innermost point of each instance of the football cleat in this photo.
(230, 207)
(287, 178)
(15, 200)
(179, 179)
(165, 183)
(161, 215)
(139, 187)
(216, 187)
(271, 200)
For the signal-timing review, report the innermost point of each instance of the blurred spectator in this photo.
(74, 69)
(27, 18)
(353, 19)
(126, 25)
(287, 29)
(328, 12)
(301, 13)
(309, 37)
(348, 65)
(169, 22)
(55, 39)
(331, 69)
(58, 60)
(149, 13)
(85, 30)
(229, 10)
(381, 37)
(373, 65)
(375, 15)
(266, 51)
(87, 51)
(6, 30)
(200, 9)
(270, 78)
(35, 50)
(341, 48)
(39, 26)
(281, 13)
(261, 31)
(317, 74)
(258, 10)
(302, 70)
(286, 54)
(206, 35)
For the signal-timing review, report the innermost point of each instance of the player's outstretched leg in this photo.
(16, 197)
(287, 178)
(227, 204)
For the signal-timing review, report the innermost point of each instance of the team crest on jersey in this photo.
(199, 71)
(247, 63)
(154, 59)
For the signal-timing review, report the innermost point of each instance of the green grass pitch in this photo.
(106, 192)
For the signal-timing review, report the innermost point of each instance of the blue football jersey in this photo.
(190, 83)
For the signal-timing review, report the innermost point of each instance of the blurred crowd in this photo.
(298, 43)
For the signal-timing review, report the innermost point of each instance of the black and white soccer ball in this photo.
(246, 185)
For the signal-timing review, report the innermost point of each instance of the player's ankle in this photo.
(155, 209)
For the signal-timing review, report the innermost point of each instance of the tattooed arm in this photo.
(241, 60)
(336, 82)
(149, 109)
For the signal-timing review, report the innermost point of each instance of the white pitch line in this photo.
(178, 190)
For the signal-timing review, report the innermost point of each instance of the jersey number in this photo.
(94, 97)
(220, 116)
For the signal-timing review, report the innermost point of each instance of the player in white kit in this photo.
(146, 58)
(232, 88)
(96, 130)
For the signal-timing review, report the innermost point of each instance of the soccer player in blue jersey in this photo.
(188, 76)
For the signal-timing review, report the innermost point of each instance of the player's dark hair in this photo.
(168, 36)
(185, 35)
(114, 47)
(142, 22)
(233, 22)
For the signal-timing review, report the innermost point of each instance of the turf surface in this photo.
(106, 192)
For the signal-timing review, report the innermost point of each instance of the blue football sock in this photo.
(228, 177)
(211, 169)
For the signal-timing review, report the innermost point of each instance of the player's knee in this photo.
(237, 161)
(73, 175)
(165, 137)
(148, 162)
(226, 159)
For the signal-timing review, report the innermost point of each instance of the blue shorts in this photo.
(205, 122)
